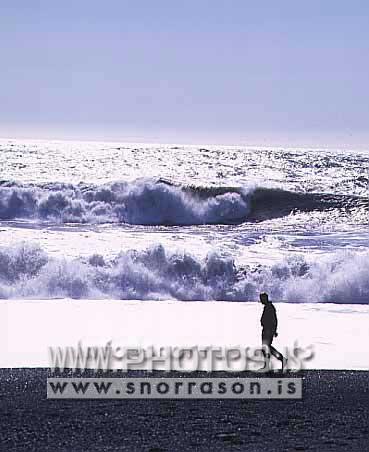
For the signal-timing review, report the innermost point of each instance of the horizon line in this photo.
(143, 141)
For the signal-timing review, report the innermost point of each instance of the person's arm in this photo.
(263, 318)
(275, 322)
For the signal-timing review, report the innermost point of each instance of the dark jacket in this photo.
(269, 318)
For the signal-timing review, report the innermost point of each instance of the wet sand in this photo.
(332, 416)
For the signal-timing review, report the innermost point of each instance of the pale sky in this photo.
(193, 71)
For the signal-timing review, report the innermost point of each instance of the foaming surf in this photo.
(160, 202)
(27, 271)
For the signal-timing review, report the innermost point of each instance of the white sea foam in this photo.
(285, 216)
(143, 202)
(151, 202)
(158, 273)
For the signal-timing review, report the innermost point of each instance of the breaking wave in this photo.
(26, 271)
(158, 202)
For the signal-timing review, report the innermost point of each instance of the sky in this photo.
(195, 71)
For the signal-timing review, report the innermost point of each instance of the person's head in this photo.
(264, 298)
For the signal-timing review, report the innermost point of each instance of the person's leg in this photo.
(266, 339)
(268, 349)
(278, 355)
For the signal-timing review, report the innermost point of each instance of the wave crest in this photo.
(143, 202)
(158, 202)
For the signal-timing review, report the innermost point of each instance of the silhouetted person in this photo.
(269, 322)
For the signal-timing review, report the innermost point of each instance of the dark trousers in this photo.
(267, 337)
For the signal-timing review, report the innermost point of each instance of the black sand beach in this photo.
(332, 416)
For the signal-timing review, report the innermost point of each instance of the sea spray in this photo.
(158, 273)
(158, 202)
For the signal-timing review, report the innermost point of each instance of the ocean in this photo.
(170, 222)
